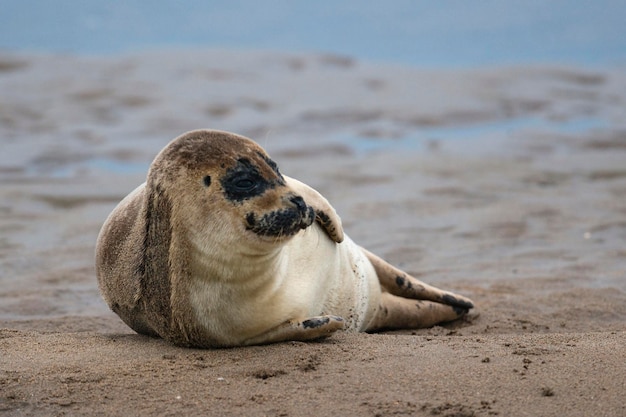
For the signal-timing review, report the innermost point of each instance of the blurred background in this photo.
(480, 144)
(441, 34)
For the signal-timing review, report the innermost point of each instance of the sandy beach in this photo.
(507, 185)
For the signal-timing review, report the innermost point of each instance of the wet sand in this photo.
(507, 185)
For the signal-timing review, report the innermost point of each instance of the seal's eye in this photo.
(207, 181)
(245, 184)
(244, 181)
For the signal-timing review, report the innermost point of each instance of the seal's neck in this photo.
(225, 263)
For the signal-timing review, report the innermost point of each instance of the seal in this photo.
(219, 249)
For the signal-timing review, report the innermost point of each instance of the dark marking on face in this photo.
(300, 204)
(284, 222)
(456, 303)
(271, 164)
(206, 180)
(244, 181)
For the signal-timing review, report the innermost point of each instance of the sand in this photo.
(507, 185)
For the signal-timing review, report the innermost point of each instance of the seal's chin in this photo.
(280, 224)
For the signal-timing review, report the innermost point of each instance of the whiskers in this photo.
(280, 236)
(266, 138)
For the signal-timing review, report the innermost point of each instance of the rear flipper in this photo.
(399, 283)
(404, 313)
(309, 329)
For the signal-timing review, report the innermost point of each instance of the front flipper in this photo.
(309, 329)
(325, 214)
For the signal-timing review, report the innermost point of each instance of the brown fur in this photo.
(152, 299)
(167, 249)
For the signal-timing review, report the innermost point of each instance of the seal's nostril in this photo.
(299, 203)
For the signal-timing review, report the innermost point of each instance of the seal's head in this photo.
(221, 187)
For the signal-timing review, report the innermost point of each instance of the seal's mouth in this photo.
(282, 223)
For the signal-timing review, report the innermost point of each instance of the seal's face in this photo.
(224, 188)
(270, 209)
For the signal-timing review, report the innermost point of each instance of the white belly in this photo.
(337, 278)
(313, 276)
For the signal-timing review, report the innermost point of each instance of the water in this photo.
(448, 33)
(75, 170)
(475, 134)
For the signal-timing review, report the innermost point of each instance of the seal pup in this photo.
(219, 249)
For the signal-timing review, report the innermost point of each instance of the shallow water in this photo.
(473, 135)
